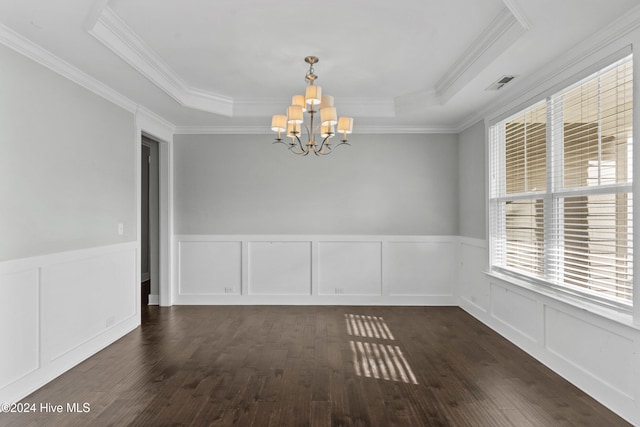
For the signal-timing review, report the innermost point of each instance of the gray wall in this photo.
(472, 212)
(66, 163)
(382, 184)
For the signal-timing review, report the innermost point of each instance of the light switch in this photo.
(120, 229)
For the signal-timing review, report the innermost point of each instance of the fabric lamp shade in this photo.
(345, 125)
(294, 114)
(279, 123)
(328, 116)
(327, 101)
(313, 95)
(299, 100)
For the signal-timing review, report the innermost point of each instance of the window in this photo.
(560, 191)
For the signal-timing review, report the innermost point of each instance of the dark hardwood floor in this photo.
(314, 366)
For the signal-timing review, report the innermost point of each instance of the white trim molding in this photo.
(162, 131)
(595, 352)
(361, 129)
(26, 47)
(304, 270)
(114, 33)
(609, 42)
(516, 10)
(71, 305)
(501, 33)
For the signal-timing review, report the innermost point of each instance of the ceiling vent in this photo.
(501, 82)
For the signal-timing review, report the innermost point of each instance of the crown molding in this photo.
(353, 107)
(516, 10)
(264, 130)
(114, 33)
(469, 121)
(415, 101)
(501, 33)
(556, 70)
(26, 47)
(154, 124)
(402, 129)
(366, 107)
(223, 130)
(94, 14)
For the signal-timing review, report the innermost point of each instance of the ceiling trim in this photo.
(114, 33)
(356, 107)
(26, 47)
(501, 33)
(469, 121)
(554, 71)
(154, 124)
(360, 130)
(519, 14)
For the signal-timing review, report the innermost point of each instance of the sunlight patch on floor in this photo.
(367, 326)
(374, 359)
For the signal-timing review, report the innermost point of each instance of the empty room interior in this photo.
(297, 213)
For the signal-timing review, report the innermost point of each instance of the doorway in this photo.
(149, 222)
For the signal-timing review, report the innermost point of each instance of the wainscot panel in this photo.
(582, 343)
(350, 268)
(519, 312)
(420, 268)
(202, 262)
(20, 320)
(279, 268)
(303, 269)
(473, 286)
(589, 346)
(65, 307)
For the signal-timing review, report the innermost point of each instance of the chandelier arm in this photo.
(295, 149)
(300, 143)
(341, 143)
(308, 129)
(324, 141)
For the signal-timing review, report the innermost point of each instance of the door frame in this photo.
(158, 129)
(152, 220)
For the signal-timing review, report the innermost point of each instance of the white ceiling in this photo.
(230, 64)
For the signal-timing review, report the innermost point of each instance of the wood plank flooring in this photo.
(313, 366)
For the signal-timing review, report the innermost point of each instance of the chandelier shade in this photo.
(313, 95)
(328, 116)
(312, 102)
(279, 123)
(299, 100)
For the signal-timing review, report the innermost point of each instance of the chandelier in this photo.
(293, 121)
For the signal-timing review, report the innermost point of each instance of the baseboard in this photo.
(154, 299)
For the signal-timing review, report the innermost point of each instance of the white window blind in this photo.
(561, 198)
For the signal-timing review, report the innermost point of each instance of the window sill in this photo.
(614, 314)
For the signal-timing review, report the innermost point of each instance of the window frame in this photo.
(551, 197)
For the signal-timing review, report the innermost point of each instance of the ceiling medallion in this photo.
(293, 121)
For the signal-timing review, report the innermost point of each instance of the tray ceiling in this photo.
(411, 64)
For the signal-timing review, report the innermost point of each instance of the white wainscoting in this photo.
(56, 310)
(599, 355)
(337, 270)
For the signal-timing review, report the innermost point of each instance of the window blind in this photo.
(560, 194)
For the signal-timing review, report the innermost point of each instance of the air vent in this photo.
(501, 82)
